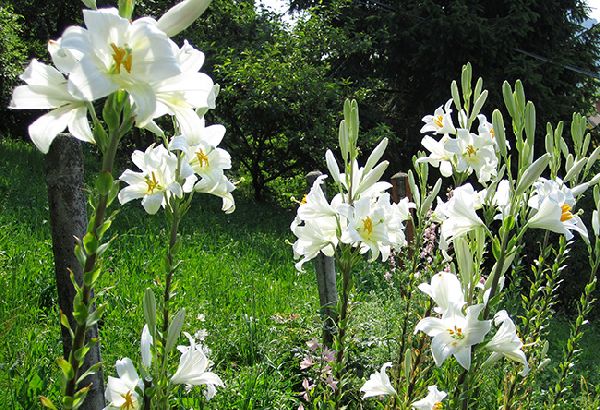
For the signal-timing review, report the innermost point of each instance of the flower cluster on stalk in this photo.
(361, 214)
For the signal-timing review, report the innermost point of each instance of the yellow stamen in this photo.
(471, 150)
(303, 201)
(152, 184)
(492, 133)
(439, 120)
(566, 213)
(128, 405)
(438, 406)
(368, 225)
(202, 158)
(122, 56)
(456, 333)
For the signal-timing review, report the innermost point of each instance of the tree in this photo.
(276, 99)
(417, 47)
(12, 56)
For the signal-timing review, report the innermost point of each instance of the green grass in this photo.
(237, 270)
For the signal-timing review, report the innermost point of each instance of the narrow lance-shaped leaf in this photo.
(175, 330)
(150, 311)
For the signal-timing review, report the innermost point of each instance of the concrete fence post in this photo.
(400, 190)
(326, 282)
(68, 218)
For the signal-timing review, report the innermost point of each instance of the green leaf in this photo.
(90, 243)
(93, 369)
(100, 136)
(90, 4)
(407, 363)
(47, 403)
(96, 315)
(104, 182)
(64, 320)
(126, 8)
(174, 330)
(80, 253)
(66, 368)
(80, 396)
(150, 311)
(110, 113)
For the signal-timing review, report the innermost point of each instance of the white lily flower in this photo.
(193, 368)
(458, 215)
(596, 222)
(220, 186)
(441, 120)
(454, 333)
(181, 16)
(439, 157)
(201, 153)
(506, 342)
(367, 227)
(120, 392)
(117, 54)
(501, 199)
(473, 153)
(433, 400)
(314, 236)
(378, 384)
(445, 290)
(182, 95)
(47, 89)
(155, 181)
(486, 130)
(314, 204)
(553, 203)
(146, 347)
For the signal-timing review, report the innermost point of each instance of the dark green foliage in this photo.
(12, 55)
(275, 97)
(415, 49)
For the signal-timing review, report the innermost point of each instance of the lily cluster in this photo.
(361, 214)
(127, 390)
(190, 164)
(113, 54)
(459, 150)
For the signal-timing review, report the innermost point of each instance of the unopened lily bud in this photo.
(532, 173)
(181, 16)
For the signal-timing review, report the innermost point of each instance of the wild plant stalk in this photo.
(570, 352)
(537, 313)
(175, 210)
(345, 264)
(89, 249)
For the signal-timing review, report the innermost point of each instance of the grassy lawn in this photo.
(237, 271)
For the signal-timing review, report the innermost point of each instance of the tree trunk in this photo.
(68, 218)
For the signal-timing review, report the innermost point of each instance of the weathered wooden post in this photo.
(68, 218)
(401, 189)
(326, 282)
